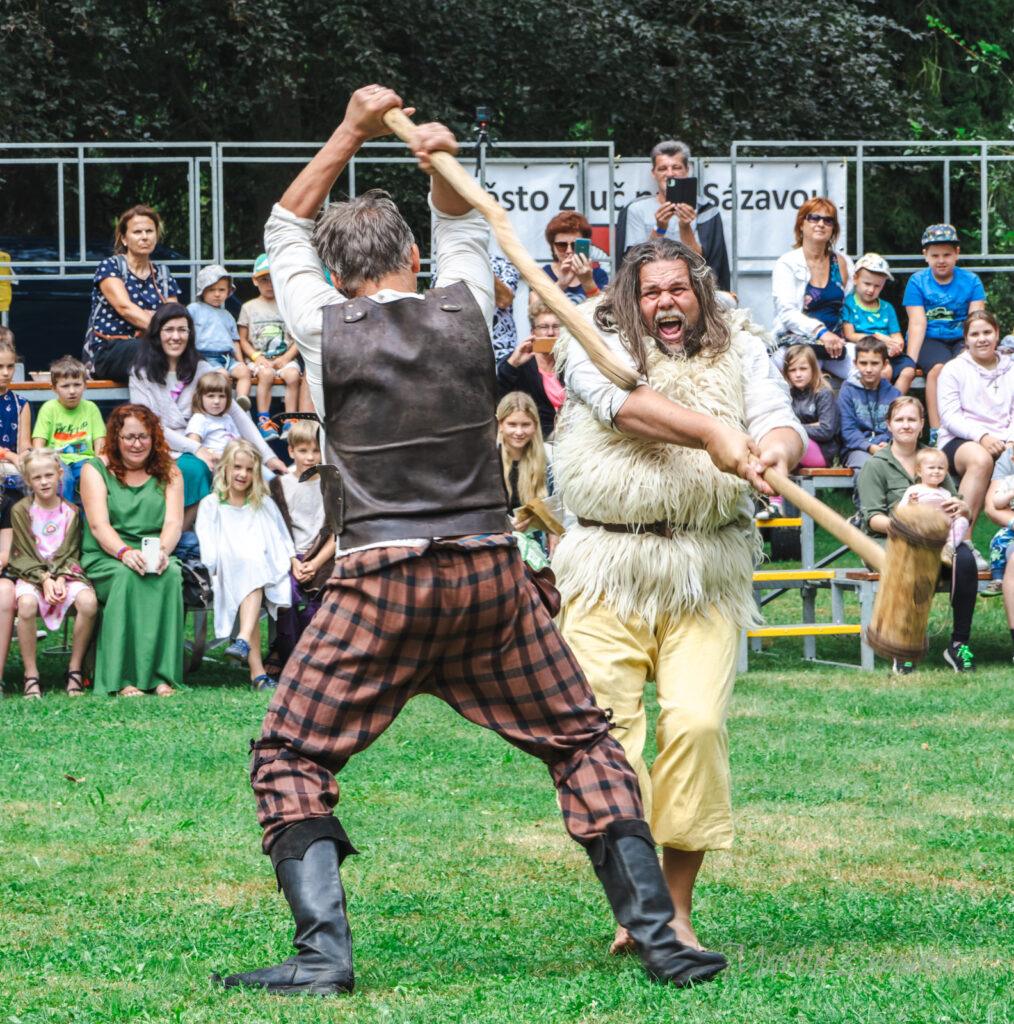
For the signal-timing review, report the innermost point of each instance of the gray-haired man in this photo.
(698, 229)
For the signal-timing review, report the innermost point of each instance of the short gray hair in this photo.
(363, 239)
(671, 147)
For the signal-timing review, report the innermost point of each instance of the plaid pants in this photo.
(464, 624)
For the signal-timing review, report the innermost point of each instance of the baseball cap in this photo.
(939, 233)
(261, 265)
(207, 276)
(875, 264)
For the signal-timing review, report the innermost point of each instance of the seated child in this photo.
(937, 300)
(69, 423)
(212, 424)
(814, 405)
(863, 402)
(217, 339)
(1001, 499)
(15, 419)
(302, 508)
(6, 583)
(866, 313)
(44, 563)
(930, 472)
(246, 546)
(269, 347)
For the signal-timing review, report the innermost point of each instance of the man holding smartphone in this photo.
(674, 213)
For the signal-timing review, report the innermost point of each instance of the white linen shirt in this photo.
(766, 395)
(302, 290)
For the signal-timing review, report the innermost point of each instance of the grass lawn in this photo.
(870, 880)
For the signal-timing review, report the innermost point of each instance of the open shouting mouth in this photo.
(669, 326)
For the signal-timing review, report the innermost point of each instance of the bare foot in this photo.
(622, 942)
(164, 690)
(131, 691)
(685, 931)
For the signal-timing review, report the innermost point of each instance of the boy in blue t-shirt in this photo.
(865, 314)
(217, 340)
(937, 301)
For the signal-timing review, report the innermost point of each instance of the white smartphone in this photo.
(151, 549)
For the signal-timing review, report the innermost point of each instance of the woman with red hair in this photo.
(809, 284)
(574, 272)
(138, 496)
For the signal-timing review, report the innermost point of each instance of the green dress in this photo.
(140, 639)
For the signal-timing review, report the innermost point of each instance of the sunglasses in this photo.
(563, 246)
(816, 218)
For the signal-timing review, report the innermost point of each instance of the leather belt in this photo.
(659, 529)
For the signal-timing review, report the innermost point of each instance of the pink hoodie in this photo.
(974, 401)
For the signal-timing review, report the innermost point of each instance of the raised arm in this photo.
(305, 196)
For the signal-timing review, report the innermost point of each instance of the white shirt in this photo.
(302, 290)
(765, 394)
(306, 509)
(215, 432)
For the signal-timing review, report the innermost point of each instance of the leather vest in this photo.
(410, 418)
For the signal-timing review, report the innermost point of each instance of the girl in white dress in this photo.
(245, 544)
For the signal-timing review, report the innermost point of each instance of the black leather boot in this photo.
(627, 866)
(312, 885)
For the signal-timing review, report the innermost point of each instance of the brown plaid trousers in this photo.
(459, 621)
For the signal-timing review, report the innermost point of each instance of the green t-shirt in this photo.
(72, 432)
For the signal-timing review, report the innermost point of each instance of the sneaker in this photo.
(992, 589)
(238, 650)
(947, 555)
(933, 435)
(286, 428)
(769, 508)
(267, 427)
(243, 401)
(902, 668)
(959, 657)
(982, 564)
(263, 682)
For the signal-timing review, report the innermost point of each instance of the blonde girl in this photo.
(814, 404)
(15, 419)
(49, 580)
(245, 544)
(522, 456)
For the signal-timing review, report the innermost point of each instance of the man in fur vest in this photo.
(656, 575)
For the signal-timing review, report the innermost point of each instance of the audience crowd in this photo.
(96, 516)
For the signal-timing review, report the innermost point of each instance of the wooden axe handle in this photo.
(865, 547)
(462, 183)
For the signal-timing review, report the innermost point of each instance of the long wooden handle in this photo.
(462, 183)
(865, 547)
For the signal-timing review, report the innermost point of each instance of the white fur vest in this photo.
(611, 477)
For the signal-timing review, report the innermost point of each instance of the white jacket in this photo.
(789, 279)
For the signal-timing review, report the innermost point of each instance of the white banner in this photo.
(769, 194)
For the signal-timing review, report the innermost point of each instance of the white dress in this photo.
(246, 549)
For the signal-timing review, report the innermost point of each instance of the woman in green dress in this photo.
(138, 495)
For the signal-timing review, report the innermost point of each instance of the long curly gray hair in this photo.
(620, 311)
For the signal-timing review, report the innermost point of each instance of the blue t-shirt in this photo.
(882, 320)
(215, 328)
(946, 305)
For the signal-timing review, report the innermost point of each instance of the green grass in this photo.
(870, 880)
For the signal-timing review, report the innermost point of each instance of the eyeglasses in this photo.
(546, 329)
(563, 246)
(135, 438)
(816, 218)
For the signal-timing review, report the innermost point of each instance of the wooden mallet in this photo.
(911, 563)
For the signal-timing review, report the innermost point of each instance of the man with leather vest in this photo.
(429, 593)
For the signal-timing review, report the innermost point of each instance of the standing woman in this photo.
(126, 289)
(137, 496)
(809, 284)
(882, 482)
(164, 378)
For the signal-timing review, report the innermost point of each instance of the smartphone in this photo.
(582, 247)
(681, 190)
(543, 344)
(151, 549)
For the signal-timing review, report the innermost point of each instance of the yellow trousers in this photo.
(693, 662)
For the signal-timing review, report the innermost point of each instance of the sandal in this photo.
(76, 683)
(33, 689)
(263, 682)
(131, 691)
(164, 690)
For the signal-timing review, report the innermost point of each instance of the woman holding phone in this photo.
(530, 368)
(572, 269)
